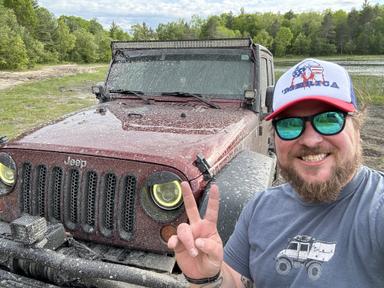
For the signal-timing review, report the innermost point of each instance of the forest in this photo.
(31, 35)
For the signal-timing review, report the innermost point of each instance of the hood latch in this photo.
(202, 164)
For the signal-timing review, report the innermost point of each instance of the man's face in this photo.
(318, 166)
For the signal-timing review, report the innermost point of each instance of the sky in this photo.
(153, 12)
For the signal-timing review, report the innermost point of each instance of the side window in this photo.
(304, 247)
(264, 81)
(270, 73)
(292, 246)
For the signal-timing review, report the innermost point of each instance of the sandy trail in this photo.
(10, 78)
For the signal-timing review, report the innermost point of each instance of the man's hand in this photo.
(197, 245)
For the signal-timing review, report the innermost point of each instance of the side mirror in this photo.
(3, 139)
(99, 91)
(269, 98)
(251, 99)
(250, 95)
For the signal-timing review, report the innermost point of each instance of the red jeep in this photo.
(91, 199)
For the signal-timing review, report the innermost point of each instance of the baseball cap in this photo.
(314, 79)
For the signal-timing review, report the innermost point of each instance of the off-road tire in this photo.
(314, 270)
(283, 266)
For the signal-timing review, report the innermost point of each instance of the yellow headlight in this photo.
(7, 175)
(167, 195)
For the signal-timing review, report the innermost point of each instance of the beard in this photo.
(329, 190)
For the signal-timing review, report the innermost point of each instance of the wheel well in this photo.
(244, 176)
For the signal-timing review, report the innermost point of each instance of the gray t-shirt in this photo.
(282, 241)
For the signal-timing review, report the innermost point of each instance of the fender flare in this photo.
(247, 173)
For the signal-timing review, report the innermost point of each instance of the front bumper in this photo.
(11, 280)
(44, 257)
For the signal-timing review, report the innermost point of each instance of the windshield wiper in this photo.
(194, 95)
(138, 94)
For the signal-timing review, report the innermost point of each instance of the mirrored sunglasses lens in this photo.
(329, 123)
(289, 128)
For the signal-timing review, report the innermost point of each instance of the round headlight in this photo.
(167, 195)
(162, 198)
(7, 173)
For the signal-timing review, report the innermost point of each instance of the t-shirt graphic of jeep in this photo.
(305, 251)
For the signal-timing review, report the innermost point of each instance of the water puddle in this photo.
(354, 67)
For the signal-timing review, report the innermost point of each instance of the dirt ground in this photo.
(9, 79)
(372, 132)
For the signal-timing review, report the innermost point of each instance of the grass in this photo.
(25, 106)
(369, 89)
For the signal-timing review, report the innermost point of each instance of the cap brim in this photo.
(339, 104)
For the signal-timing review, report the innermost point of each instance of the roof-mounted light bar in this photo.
(214, 43)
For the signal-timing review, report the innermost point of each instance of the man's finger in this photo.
(185, 236)
(213, 205)
(175, 244)
(190, 203)
(172, 242)
(212, 248)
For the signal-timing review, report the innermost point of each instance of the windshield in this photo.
(217, 75)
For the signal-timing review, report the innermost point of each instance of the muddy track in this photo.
(372, 135)
(9, 79)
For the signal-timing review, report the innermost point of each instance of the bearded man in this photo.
(324, 227)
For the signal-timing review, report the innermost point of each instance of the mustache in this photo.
(306, 151)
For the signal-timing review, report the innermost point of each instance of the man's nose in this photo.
(310, 137)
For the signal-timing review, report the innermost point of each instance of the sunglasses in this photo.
(325, 123)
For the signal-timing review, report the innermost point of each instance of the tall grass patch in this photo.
(369, 89)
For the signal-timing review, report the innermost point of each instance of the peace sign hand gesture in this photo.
(197, 245)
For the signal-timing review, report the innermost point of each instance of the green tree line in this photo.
(30, 34)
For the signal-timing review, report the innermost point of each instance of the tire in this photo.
(235, 192)
(283, 266)
(314, 270)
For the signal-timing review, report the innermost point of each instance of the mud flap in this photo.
(248, 173)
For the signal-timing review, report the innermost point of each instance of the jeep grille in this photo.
(27, 189)
(91, 198)
(59, 195)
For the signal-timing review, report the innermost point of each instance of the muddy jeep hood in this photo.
(168, 134)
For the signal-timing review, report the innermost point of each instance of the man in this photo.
(324, 228)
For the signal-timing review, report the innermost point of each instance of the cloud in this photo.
(153, 12)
